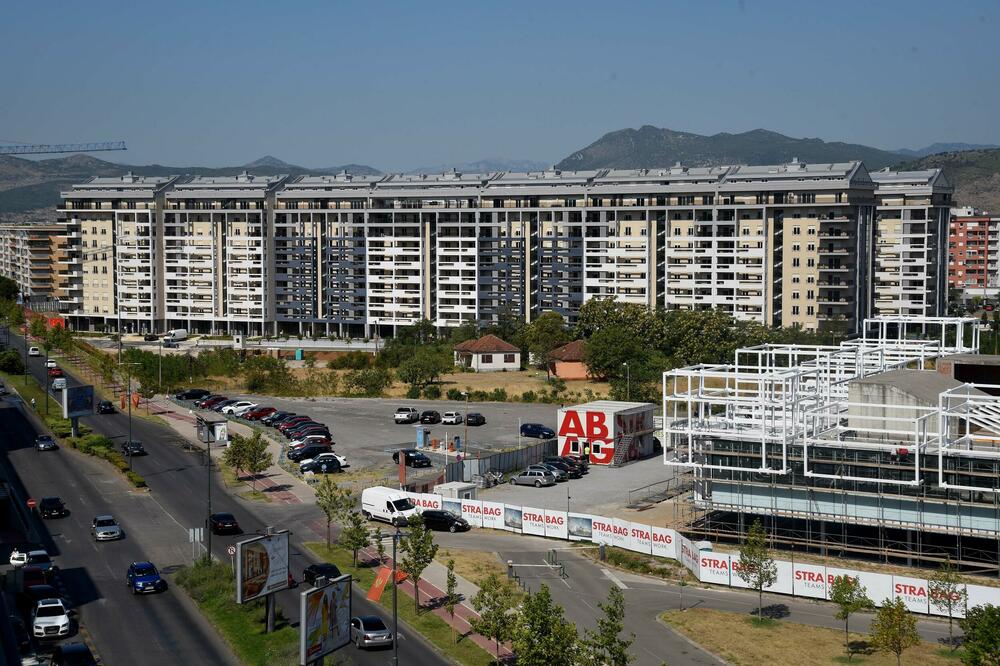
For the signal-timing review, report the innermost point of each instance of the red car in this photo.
(291, 423)
(32, 575)
(209, 403)
(55, 372)
(259, 413)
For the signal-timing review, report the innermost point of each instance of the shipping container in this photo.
(615, 432)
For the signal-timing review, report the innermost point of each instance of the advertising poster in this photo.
(640, 538)
(426, 501)
(452, 505)
(77, 401)
(664, 542)
(809, 580)
(472, 511)
(532, 521)
(581, 527)
(261, 566)
(619, 533)
(512, 518)
(555, 524)
(326, 620)
(913, 592)
(714, 568)
(493, 515)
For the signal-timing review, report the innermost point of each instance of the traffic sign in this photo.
(231, 550)
(32, 503)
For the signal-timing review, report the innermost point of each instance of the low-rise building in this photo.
(488, 354)
(566, 362)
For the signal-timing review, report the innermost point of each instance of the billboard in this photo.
(77, 401)
(261, 566)
(325, 619)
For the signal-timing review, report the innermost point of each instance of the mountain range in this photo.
(935, 148)
(974, 173)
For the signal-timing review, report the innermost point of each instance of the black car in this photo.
(430, 416)
(52, 507)
(217, 407)
(223, 523)
(307, 452)
(435, 519)
(537, 430)
(325, 570)
(45, 443)
(133, 448)
(414, 458)
(475, 419)
(73, 654)
(276, 418)
(193, 394)
(322, 465)
(35, 593)
(105, 407)
(569, 460)
(572, 471)
(151, 337)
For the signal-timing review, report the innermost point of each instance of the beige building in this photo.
(26, 252)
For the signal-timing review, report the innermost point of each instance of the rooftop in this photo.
(488, 344)
(572, 351)
(925, 385)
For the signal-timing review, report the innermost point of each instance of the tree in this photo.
(57, 337)
(333, 501)
(495, 603)
(541, 634)
(419, 550)
(423, 367)
(451, 596)
(756, 566)
(8, 289)
(11, 362)
(605, 646)
(378, 538)
(981, 625)
(257, 457)
(235, 454)
(37, 327)
(851, 597)
(354, 534)
(606, 351)
(894, 629)
(947, 594)
(544, 334)
(369, 382)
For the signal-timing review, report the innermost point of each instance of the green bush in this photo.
(528, 396)
(498, 395)
(454, 394)
(413, 392)
(135, 479)
(432, 392)
(11, 362)
(354, 360)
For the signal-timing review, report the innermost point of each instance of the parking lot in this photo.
(365, 432)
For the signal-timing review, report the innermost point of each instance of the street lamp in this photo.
(465, 439)
(128, 399)
(628, 381)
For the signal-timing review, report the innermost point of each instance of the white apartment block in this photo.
(911, 242)
(26, 253)
(790, 244)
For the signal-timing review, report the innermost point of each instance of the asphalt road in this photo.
(179, 484)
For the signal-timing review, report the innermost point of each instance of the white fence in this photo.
(795, 578)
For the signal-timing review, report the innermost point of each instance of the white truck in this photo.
(176, 335)
(387, 505)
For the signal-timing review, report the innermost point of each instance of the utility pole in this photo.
(269, 599)
(208, 468)
(395, 611)
(48, 379)
(159, 368)
(628, 382)
(465, 418)
(128, 399)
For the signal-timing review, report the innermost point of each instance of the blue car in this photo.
(142, 577)
(536, 430)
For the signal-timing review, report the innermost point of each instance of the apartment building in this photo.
(911, 229)
(974, 252)
(109, 257)
(789, 244)
(26, 252)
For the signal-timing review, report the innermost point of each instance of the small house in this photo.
(488, 354)
(566, 362)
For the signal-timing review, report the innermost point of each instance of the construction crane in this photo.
(49, 148)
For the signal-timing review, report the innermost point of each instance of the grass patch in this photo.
(213, 588)
(651, 565)
(781, 643)
(473, 565)
(255, 496)
(429, 625)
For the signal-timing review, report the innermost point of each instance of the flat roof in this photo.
(926, 385)
(610, 405)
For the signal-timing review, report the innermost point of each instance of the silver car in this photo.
(370, 631)
(105, 528)
(558, 473)
(534, 477)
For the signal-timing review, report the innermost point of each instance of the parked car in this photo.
(150, 337)
(235, 407)
(435, 519)
(142, 578)
(219, 406)
(306, 440)
(570, 461)
(170, 344)
(133, 448)
(305, 431)
(73, 654)
(430, 417)
(315, 571)
(23, 555)
(556, 472)
(536, 478)
(406, 415)
(242, 411)
(33, 351)
(106, 528)
(414, 458)
(51, 363)
(55, 372)
(572, 471)
(580, 460)
(223, 523)
(45, 443)
(209, 401)
(52, 507)
(33, 575)
(475, 419)
(289, 423)
(39, 559)
(259, 413)
(386, 504)
(50, 619)
(307, 452)
(324, 463)
(370, 631)
(106, 407)
(35, 593)
(537, 430)
(193, 394)
(275, 418)
(59, 383)
(451, 418)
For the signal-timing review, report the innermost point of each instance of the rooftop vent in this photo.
(552, 173)
(452, 174)
(129, 178)
(677, 169)
(344, 176)
(795, 165)
(244, 177)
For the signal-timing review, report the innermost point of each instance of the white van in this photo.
(176, 334)
(387, 505)
(58, 384)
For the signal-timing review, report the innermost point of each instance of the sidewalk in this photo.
(276, 482)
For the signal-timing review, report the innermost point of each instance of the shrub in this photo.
(528, 396)
(353, 360)
(11, 363)
(498, 395)
(413, 392)
(454, 394)
(135, 479)
(432, 392)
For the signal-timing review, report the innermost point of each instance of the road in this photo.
(179, 485)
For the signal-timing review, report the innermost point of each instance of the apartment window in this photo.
(811, 231)
(795, 262)
(796, 231)
(508, 358)
(795, 279)
(686, 200)
(795, 309)
(810, 262)
(810, 294)
(811, 280)
(487, 358)
(677, 231)
(807, 198)
(795, 295)
(796, 247)
(707, 200)
(810, 310)
(811, 247)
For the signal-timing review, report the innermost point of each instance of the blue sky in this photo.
(401, 85)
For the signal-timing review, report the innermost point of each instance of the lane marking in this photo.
(614, 579)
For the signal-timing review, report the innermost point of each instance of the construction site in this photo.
(885, 447)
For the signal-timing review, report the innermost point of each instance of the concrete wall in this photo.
(886, 402)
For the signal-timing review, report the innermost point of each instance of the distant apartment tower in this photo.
(26, 253)
(911, 231)
(974, 252)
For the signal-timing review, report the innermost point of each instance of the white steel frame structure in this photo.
(970, 424)
(896, 328)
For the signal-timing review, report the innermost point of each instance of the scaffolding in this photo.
(957, 335)
(970, 418)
